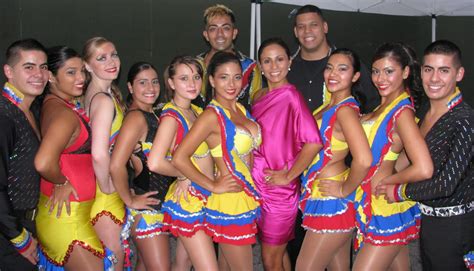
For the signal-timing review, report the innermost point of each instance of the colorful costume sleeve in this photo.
(255, 82)
(202, 94)
(169, 110)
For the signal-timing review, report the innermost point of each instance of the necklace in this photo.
(74, 104)
(312, 71)
(184, 108)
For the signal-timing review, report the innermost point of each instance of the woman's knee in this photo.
(272, 260)
(238, 257)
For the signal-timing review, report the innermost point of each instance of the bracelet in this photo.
(399, 192)
(23, 241)
(181, 178)
(402, 192)
(62, 184)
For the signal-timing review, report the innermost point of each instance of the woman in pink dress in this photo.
(290, 142)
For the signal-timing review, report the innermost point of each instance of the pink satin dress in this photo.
(287, 124)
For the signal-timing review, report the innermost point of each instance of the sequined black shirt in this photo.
(19, 181)
(146, 180)
(450, 142)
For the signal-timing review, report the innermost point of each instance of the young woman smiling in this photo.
(328, 207)
(134, 142)
(67, 239)
(290, 142)
(227, 128)
(183, 206)
(105, 109)
(386, 229)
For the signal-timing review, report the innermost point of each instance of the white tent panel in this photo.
(390, 7)
(341, 5)
(442, 7)
(423, 7)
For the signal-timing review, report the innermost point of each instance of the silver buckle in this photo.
(446, 211)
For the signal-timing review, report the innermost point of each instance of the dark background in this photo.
(157, 30)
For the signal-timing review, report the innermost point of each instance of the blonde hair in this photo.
(87, 52)
(218, 10)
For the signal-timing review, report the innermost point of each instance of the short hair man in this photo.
(220, 33)
(27, 73)
(447, 199)
(307, 74)
(310, 60)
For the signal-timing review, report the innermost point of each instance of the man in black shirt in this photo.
(310, 60)
(27, 73)
(447, 199)
(306, 74)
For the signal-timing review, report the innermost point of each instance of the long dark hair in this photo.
(219, 59)
(405, 56)
(356, 89)
(270, 41)
(134, 70)
(57, 57)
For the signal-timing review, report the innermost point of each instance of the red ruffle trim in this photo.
(148, 232)
(338, 223)
(71, 248)
(401, 238)
(179, 227)
(111, 216)
(233, 234)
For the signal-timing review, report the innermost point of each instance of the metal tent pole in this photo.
(252, 29)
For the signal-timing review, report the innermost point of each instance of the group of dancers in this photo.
(115, 171)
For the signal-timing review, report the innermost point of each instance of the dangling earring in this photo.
(289, 68)
(263, 73)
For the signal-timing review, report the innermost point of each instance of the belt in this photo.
(447, 211)
(26, 214)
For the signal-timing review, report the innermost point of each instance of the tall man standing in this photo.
(27, 73)
(220, 33)
(307, 74)
(309, 62)
(447, 199)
